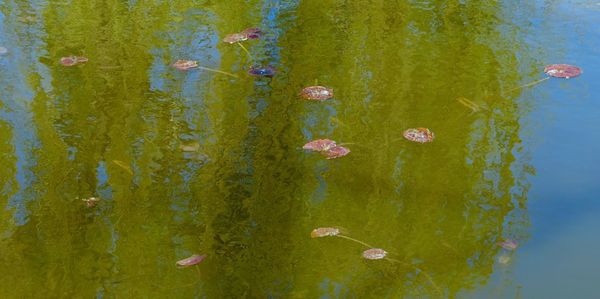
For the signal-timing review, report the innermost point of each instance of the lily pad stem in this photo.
(357, 241)
(246, 50)
(528, 84)
(217, 71)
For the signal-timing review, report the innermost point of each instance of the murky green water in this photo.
(524, 167)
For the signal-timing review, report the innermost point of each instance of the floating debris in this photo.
(320, 145)
(258, 71)
(3, 51)
(190, 147)
(252, 33)
(72, 60)
(324, 232)
(190, 261)
(184, 65)
(91, 202)
(318, 93)
(374, 254)
(335, 152)
(504, 259)
(124, 166)
(509, 244)
(235, 38)
(562, 71)
(421, 135)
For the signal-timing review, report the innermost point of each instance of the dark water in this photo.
(524, 167)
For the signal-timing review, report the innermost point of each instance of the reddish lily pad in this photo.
(509, 244)
(267, 71)
(562, 71)
(72, 60)
(318, 93)
(184, 65)
(252, 33)
(319, 145)
(335, 152)
(190, 261)
(324, 232)
(420, 135)
(374, 254)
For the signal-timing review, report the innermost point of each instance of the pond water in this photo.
(201, 162)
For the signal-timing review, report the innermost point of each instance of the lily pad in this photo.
(335, 152)
(562, 71)
(252, 33)
(190, 261)
(374, 254)
(190, 147)
(184, 65)
(259, 71)
(3, 51)
(421, 135)
(320, 145)
(91, 202)
(235, 38)
(509, 244)
(318, 93)
(72, 60)
(504, 259)
(324, 232)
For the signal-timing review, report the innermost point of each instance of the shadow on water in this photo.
(251, 196)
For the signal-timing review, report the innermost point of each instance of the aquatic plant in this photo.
(72, 60)
(420, 135)
(318, 93)
(509, 244)
(327, 148)
(562, 71)
(374, 254)
(190, 261)
(260, 71)
(186, 65)
(246, 34)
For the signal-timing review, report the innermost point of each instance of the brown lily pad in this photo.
(184, 65)
(318, 93)
(509, 244)
(335, 152)
(562, 71)
(91, 202)
(320, 145)
(324, 232)
(190, 261)
(421, 135)
(374, 254)
(235, 38)
(72, 60)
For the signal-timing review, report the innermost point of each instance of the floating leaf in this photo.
(509, 244)
(252, 33)
(267, 71)
(184, 65)
(319, 145)
(374, 254)
(335, 152)
(324, 232)
(318, 93)
(190, 147)
(72, 60)
(562, 71)
(235, 38)
(190, 261)
(91, 202)
(420, 135)
(3, 51)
